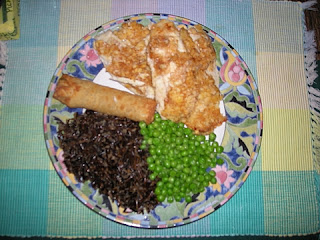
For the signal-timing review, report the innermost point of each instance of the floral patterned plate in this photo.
(240, 136)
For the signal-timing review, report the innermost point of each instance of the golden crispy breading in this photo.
(182, 93)
(163, 45)
(204, 53)
(123, 53)
(172, 74)
(206, 115)
(133, 32)
(185, 91)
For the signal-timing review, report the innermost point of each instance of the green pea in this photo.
(159, 151)
(144, 131)
(161, 198)
(189, 179)
(186, 170)
(170, 199)
(180, 148)
(175, 189)
(164, 192)
(188, 199)
(143, 146)
(200, 138)
(179, 166)
(177, 197)
(179, 141)
(212, 137)
(220, 149)
(152, 151)
(187, 131)
(220, 161)
(157, 191)
(183, 176)
(168, 130)
(184, 153)
(192, 162)
(167, 139)
(200, 178)
(169, 192)
(183, 189)
(215, 144)
(213, 155)
(213, 164)
(169, 184)
(167, 164)
(193, 187)
(203, 147)
(205, 183)
(152, 166)
(194, 175)
(157, 134)
(173, 164)
(171, 180)
(194, 168)
(213, 180)
(142, 125)
(172, 144)
(158, 168)
(207, 177)
(156, 141)
(179, 133)
(207, 151)
(172, 173)
(153, 176)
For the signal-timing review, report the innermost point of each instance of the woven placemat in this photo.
(280, 195)
(3, 65)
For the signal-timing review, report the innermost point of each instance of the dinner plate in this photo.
(240, 135)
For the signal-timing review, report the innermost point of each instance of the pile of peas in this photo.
(179, 159)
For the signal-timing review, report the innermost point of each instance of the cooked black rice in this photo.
(106, 150)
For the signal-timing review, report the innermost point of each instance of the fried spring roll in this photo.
(77, 93)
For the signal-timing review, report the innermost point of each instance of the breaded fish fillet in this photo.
(172, 74)
(182, 63)
(206, 114)
(123, 53)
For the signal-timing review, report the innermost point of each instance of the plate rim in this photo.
(133, 17)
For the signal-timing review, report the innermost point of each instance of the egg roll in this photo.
(78, 93)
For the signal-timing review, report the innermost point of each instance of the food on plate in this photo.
(123, 53)
(182, 72)
(206, 113)
(172, 75)
(181, 161)
(106, 150)
(128, 151)
(77, 93)
(178, 65)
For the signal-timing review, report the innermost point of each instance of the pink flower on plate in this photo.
(223, 175)
(89, 56)
(236, 73)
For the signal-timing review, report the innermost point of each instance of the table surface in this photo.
(312, 18)
(281, 195)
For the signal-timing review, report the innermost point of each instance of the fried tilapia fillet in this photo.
(183, 69)
(172, 75)
(123, 53)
